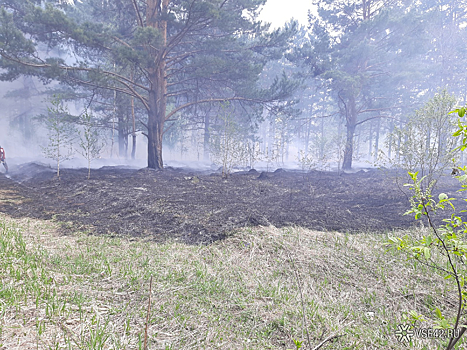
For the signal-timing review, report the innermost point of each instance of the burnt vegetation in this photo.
(200, 207)
(366, 83)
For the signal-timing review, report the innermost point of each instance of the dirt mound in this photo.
(34, 170)
(197, 208)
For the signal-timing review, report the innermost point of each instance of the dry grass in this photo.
(88, 292)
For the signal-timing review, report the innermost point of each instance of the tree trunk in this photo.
(351, 119)
(399, 141)
(133, 132)
(158, 83)
(348, 151)
(155, 131)
(122, 125)
(307, 136)
(308, 131)
(357, 142)
(428, 143)
(207, 137)
(322, 143)
(391, 129)
(339, 134)
(378, 126)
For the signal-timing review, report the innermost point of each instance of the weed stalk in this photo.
(147, 317)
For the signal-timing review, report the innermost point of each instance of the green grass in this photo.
(87, 292)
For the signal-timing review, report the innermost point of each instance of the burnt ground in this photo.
(199, 208)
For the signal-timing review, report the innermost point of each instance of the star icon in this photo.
(404, 333)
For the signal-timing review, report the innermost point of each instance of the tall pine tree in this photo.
(158, 51)
(359, 49)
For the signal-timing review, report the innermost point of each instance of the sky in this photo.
(279, 12)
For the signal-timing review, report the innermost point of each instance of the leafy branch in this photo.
(445, 247)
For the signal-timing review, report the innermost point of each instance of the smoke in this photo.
(277, 143)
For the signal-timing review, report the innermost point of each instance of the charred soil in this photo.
(177, 204)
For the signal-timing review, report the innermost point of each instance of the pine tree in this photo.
(161, 52)
(361, 50)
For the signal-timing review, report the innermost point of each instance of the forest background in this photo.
(206, 81)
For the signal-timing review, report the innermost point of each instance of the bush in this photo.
(445, 247)
(425, 143)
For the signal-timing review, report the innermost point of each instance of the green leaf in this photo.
(442, 196)
(442, 324)
(426, 250)
(298, 343)
(416, 316)
(461, 112)
(438, 314)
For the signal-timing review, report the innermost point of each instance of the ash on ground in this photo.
(196, 207)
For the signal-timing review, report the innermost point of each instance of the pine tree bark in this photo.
(156, 119)
(122, 125)
(351, 119)
(207, 137)
(348, 151)
(158, 84)
(391, 129)
(378, 127)
(133, 132)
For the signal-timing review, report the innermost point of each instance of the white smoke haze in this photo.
(23, 136)
(23, 146)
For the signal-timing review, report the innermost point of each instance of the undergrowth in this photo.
(263, 288)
